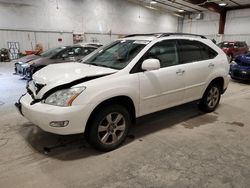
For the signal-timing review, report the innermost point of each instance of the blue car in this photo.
(240, 68)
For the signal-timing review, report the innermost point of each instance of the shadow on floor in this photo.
(74, 147)
(242, 82)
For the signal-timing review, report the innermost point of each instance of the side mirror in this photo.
(150, 64)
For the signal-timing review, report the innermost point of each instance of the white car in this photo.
(129, 78)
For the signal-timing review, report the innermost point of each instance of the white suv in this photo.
(131, 77)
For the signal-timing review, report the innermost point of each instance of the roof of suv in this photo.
(152, 36)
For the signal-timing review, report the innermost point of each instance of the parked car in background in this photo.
(232, 49)
(56, 55)
(19, 66)
(240, 68)
(4, 55)
(104, 93)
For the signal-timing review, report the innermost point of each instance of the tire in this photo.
(109, 128)
(211, 98)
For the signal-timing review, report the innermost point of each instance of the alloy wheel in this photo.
(111, 128)
(213, 97)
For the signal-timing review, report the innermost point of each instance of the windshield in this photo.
(118, 54)
(226, 45)
(52, 52)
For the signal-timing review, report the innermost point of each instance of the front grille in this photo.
(239, 74)
(19, 69)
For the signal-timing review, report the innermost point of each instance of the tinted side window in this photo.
(192, 51)
(207, 52)
(89, 50)
(189, 51)
(165, 52)
(76, 51)
(69, 52)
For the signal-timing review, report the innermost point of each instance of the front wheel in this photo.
(211, 98)
(109, 127)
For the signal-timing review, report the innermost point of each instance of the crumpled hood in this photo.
(27, 58)
(57, 74)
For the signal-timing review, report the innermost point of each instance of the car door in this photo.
(200, 63)
(162, 88)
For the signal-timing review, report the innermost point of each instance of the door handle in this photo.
(180, 71)
(211, 65)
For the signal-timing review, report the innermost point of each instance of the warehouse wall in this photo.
(236, 28)
(61, 17)
(28, 39)
(209, 25)
(238, 25)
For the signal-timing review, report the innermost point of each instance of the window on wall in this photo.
(165, 52)
(192, 51)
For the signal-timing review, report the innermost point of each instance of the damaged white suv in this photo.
(131, 77)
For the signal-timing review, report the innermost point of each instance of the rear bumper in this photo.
(43, 114)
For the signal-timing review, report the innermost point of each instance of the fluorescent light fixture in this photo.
(153, 2)
(180, 10)
(222, 4)
(153, 8)
(178, 15)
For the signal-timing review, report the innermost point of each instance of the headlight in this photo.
(64, 97)
(25, 65)
(233, 63)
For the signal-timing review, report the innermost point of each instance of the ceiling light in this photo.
(222, 4)
(153, 2)
(178, 15)
(153, 8)
(180, 10)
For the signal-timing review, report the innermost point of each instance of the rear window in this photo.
(192, 51)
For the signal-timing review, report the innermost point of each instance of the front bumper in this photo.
(22, 69)
(239, 74)
(43, 114)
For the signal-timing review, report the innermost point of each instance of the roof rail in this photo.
(182, 34)
(158, 35)
(145, 35)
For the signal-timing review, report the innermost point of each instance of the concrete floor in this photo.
(179, 147)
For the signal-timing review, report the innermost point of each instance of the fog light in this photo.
(59, 123)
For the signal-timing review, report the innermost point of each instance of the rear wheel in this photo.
(211, 98)
(109, 127)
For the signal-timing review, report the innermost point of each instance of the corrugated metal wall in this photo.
(28, 39)
(237, 26)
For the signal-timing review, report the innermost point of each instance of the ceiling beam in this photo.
(196, 2)
(165, 4)
(222, 22)
(175, 2)
(235, 2)
(239, 7)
